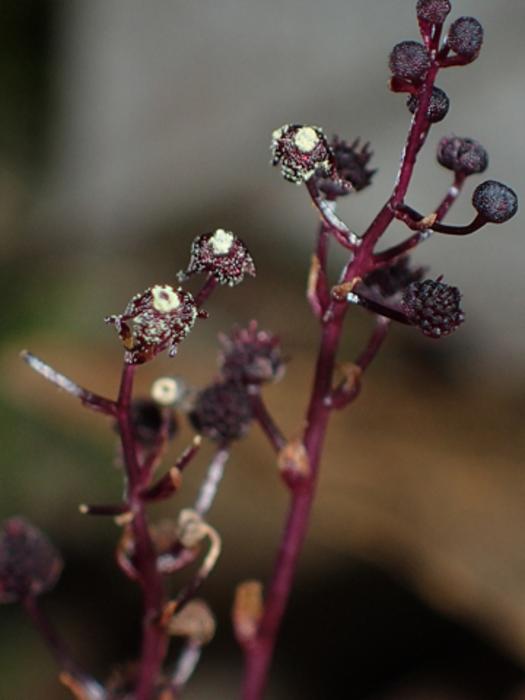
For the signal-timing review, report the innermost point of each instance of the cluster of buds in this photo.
(248, 358)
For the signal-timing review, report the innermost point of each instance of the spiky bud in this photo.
(301, 150)
(223, 255)
(433, 11)
(29, 563)
(222, 411)
(462, 155)
(251, 356)
(409, 60)
(437, 108)
(350, 163)
(395, 278)
(494, 201)
(157, 319)
(465, 37)
(434, 307)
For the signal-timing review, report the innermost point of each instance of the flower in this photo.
(223, 255)
(409, 60)
(495, 201)
(157, 319)
(465, 37)
(462, 155)
(351, 171)
(301, 151)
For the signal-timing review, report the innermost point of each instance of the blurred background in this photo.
(128, 128)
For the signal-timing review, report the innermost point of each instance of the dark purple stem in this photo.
(154, 638)
(206, 290)
(58, 649)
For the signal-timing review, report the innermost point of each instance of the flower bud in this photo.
(301, 151)
(223, 255)
(350, 163)
(437, 108)
(462, 155)
(494, 201)
(433, 11)
(251, 356)
(409, 60)
(29, 563)
(465, 37)
(434, 307)
(158, 318)
(222, 412)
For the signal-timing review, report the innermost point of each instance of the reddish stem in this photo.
(154, 638)
(259, 650)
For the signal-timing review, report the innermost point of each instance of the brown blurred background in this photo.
(127, 128)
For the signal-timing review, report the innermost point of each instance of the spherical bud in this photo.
(149, 421)
(222, 412)
(301, 150)
(350, 163)
(434, 307)
(433, 11)
(29, 563)
(395, 278)
(222, 255)
(409, 60)
(251, 356)
(157, 319)
(495, 201)
(465, 37)
(437, 108)
(462, 155)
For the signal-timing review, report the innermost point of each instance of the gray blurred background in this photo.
(130, 127)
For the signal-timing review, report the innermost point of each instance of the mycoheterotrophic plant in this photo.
(383, 281)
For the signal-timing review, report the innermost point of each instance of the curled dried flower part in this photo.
(195, 621)
(433, 11)
(222, 411)
(223, 255)
(494, 201)
(434, 307)
(465, 37)
(351, 162)
(409, 60)
(437, 108)
(301, 151)
(157, 319)
(462, 155)
(29, 563)
(251, 356)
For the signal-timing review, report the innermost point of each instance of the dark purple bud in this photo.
(350, 163)
(465, 37)
(462, 155)
(301, 151)
(222, 411)
(437, 108)
(395, 278)
(148, 420)
(494, 201)
(223, 255)
(251, 356)
(29, 563)
(157, 319)
(409, 60)
(434, 307)
(433, 11)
